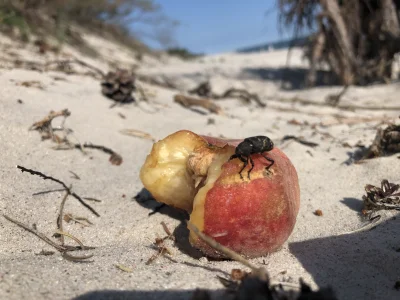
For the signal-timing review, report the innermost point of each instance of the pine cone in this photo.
(119, 86)
(391, 139)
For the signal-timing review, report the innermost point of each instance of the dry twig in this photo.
(73, 194)
(159, 244)
(299, 140)
(188, 101)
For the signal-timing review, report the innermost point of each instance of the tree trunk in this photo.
(390, 19)
(347, 57)
(316, 55)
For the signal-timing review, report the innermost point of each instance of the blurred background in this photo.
(356, 41)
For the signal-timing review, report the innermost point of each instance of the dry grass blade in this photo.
(138, 133)
(76, 258)
(75, 175)
(68, 218)
(37, 233)
(60, 215)
(123, 268)
(61, 248)
(71, 237)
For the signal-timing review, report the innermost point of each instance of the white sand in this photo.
(358, 266)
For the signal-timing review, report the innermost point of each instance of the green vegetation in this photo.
(113, 19)
(183, 53)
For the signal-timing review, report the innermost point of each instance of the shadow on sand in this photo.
(148, 295)
(289, 78)
(363, 265)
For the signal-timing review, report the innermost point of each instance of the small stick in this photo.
(166, 229)
(91, 199)
(217, 246)
(47, 192)
(45, 177)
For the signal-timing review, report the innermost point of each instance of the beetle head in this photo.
(268, 145)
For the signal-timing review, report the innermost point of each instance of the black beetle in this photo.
(253, 145)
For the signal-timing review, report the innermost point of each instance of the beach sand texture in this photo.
(361, 265)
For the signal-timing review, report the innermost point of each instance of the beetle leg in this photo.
(245, 162)
(252, 166)
(233, 157)
(270, 160)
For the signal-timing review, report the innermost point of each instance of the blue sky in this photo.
(212, 26)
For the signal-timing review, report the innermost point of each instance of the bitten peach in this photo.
(252, 217)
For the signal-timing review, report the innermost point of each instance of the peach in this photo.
(250, 216)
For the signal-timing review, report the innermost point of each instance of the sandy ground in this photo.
(363, 265)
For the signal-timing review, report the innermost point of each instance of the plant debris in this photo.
(61, 248)
(123, 268)
(299, 140)
(31, 83)
(47, 131)
(45, 127)
(318, 213)
(80, 220)
(386, 197)
(45, 253)
(160, 246)
(138, 133)
(188, 102)
(74, 175)
(115, 158)
(73, 194)
(386, 142)
(119, 86)
(204, 89)
(60, 231)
